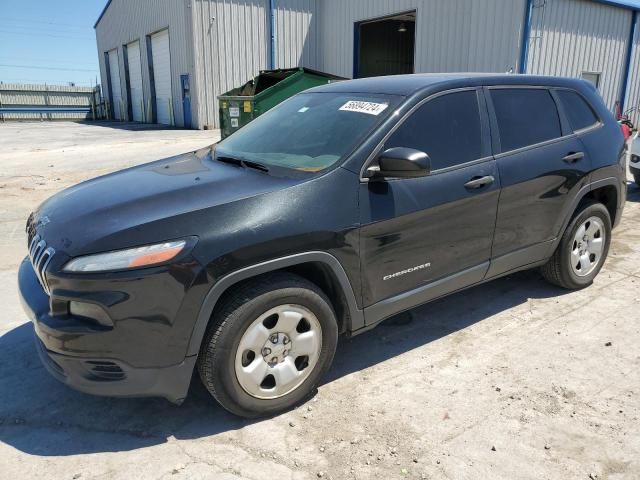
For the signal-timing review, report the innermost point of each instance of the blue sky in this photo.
(49, 41)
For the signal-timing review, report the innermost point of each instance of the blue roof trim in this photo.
(104, 10)
(629, 4)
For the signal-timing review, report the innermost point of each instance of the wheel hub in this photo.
(276, 348)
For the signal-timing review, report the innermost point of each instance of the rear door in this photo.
(542, 166)
(436, 229)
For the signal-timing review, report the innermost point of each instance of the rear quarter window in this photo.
(578, 111)
(526, 116)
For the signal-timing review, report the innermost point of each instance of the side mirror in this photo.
(401, 162)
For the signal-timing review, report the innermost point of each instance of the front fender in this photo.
(356, 315)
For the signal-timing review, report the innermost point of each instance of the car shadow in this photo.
(40, 416)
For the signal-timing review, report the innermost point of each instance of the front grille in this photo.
(40, 256)
(31, 229)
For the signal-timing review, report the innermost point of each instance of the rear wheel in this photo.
(268, 345)
(582, 250)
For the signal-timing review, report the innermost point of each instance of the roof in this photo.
(407, 85)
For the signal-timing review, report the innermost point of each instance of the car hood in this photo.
(146, 203)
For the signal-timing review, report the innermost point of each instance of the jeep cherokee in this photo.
(343, 206)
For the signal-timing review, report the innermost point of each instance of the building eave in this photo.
(104, 10)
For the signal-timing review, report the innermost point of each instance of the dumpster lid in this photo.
(268, 78)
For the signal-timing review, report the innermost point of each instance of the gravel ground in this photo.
(512, 379)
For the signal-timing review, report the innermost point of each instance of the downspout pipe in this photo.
(627, 61)
(272, 31)
(526, 33)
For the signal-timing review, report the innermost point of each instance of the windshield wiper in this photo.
(255, 165)
(233, 160)
(242, 163)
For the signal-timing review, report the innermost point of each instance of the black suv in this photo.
(345, 205)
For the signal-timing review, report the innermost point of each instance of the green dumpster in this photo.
(271, 87)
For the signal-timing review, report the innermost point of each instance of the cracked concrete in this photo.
(512, 379)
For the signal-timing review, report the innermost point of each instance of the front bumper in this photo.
(634, 164)
(59, 336)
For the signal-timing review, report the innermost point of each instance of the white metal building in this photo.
(166, 61)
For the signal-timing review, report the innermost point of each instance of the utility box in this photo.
(260, 94)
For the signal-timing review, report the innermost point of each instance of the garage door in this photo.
(135, 81)
(116, 89)
(162, 76)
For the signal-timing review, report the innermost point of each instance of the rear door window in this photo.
(446, 128)
(578, 111)
(526, 116)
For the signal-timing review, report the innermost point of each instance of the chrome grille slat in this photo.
(40, 256)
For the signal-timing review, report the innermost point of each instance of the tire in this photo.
(559, 270)
(227, 354)
(636, 178)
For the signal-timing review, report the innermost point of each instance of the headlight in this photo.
(126, 259)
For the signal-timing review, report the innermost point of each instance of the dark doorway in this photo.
(385, 46)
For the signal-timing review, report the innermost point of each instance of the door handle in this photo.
(573, 157)
(479, 182)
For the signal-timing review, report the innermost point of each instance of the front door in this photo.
(435, 231)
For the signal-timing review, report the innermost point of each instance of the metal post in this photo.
(627, 61)
(47, 101)
(526, 33)
(171, 119)
(272, 23)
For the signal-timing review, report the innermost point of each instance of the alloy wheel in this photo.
(587, 246)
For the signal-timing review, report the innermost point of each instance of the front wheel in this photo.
(582, 250)
(268, 345)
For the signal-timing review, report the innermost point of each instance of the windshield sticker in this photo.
(370, 108)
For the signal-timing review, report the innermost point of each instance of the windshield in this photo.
(309, 132)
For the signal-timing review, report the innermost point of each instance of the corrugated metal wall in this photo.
(231, 40)
(126, 21)
(230, 47)
(569, 37)
(451, 35)
(296, 33)
(224, 43)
